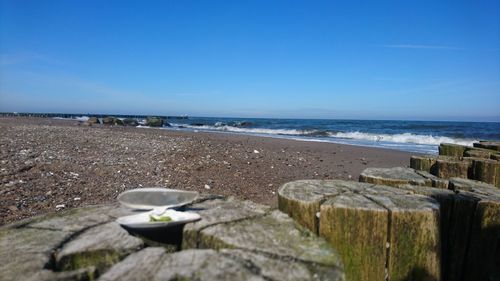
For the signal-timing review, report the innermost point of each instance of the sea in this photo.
(412, 136)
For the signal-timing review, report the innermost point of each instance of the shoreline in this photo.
(49, 162)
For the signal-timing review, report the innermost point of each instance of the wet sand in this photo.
(47, 162)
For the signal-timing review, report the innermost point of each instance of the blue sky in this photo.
(424, 60)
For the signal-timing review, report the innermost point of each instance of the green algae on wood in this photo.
(414, 245)
(423, 162)
(414, 239)
(452, 168)
(486, 170)
(484, 249)
(357, 228)
(453, 150)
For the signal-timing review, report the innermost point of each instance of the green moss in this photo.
(453, 150)
(414, 245)
(360, 237)
(101, 259)
(303, 212)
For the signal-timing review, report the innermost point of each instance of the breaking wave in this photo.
(407, 138)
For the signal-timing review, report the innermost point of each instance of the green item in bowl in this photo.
(153, 218)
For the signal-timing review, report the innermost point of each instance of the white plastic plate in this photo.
(142, 220)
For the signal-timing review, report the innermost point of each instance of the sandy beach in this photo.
(48, 165)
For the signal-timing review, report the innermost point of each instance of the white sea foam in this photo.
(78, 118)
(404, 138)
(226, 128)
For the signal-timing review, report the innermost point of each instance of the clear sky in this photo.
(427, 60)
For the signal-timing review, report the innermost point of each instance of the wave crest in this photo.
(361, 136)
(402, 138)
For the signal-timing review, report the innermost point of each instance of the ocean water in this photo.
(412, 136)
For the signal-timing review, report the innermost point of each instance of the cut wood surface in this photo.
(393, 176)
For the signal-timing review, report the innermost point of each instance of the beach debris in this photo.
(76, 199)
(207, 186)
(60, 206)
(256, 151)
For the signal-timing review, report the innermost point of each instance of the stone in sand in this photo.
(130, 122)
(154, 122)
(93, 120)
(112, 121)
